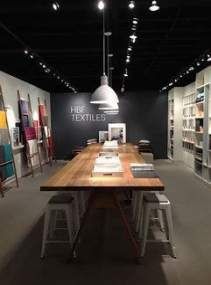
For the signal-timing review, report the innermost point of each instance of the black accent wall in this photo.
(74, 120)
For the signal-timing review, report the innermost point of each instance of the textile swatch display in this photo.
(4, 136)
(33, 151)
(30, 133)
(42, 110)
(24, 106)
(25, 121)
(2, 173)
(6, 170)
(9, 170)
(3, 120)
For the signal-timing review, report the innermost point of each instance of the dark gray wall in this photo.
(144, 112)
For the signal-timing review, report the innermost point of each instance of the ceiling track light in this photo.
(131, 5)
(133, 38)
(135, 21)
(101, 5)
(154, 6)
(26, 51)
(126, 73)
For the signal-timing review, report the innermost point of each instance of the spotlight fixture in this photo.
(198, 63)
(101, 5)
(154, 6)
(26, 51)
(110, 55)
(111, 68)
(209, 59)
(133, 38)
(129, 48)
(128, 60)
(55, 5)
(131, 5)
(31, 56)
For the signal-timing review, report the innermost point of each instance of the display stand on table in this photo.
(7, 163)
(29, 134)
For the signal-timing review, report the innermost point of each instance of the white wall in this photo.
(10, 85)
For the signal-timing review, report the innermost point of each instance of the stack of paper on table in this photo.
(110, 144)
(108, 153)
(143, 170)
(110, 165)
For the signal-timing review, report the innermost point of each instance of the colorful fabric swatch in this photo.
(2, 172)
(4, 136)
(36, 127)
(25, 121)
(9, 171)
(42, 111)
(3, 120)
(24, 107)
(33, 151)
(30, 133)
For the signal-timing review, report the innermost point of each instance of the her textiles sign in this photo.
(80, 114)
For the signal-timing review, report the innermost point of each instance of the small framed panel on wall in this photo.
(117, 131)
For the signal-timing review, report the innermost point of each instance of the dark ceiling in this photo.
(70, 40)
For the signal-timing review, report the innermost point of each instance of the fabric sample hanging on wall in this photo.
(7, 170)
(33, 152)
(25, 121)
(30, 133)
(36, 127)
(4, 136)
(24, 106)
(2, 172)
(3, 120)
(42, 111)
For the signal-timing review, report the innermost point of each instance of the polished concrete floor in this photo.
(105, 253)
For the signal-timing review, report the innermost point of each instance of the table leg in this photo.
(83, 222)
(127, 227)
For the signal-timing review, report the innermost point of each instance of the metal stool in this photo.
(61, 202)
(157, 202)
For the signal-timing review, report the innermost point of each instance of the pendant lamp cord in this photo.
(103, 43)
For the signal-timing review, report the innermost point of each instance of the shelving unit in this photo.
(195, 133)
(171, 125)
(188, 124)
(175, 123)
(202, 165)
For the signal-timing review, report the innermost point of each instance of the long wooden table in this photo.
(77, 176)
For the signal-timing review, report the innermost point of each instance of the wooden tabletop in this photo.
(77, 174)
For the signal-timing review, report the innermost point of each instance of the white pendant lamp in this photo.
(154, 6)
(104, 94)
(111, 112)
(107, 107)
